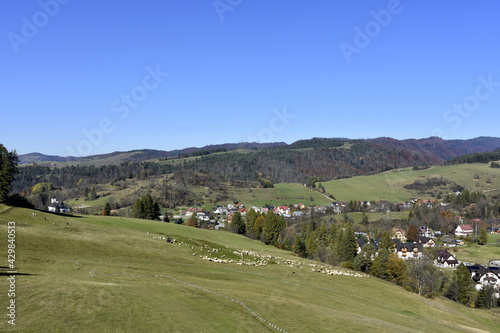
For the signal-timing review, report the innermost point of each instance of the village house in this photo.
(426, 232)
(484, 276)
(425, 241)
(255, 209)
(399, 234)
(464, 230)
(449, 242)
(407, 251)
(445, 259)
(337, 207)
(57, 207)
(220, 210)
(410, 251)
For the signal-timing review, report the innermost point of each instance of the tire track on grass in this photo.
(94, 274)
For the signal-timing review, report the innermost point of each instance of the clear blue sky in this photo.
(76, 75)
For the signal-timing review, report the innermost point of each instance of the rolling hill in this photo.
(390, 185)
(101, 274)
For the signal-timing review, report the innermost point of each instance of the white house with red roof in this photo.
(464, 230)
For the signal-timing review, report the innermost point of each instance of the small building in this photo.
(464, 230)
(399, 234)
(425, 241)
(426, 232)
(445, 259)
(449, 242)
(56, 207)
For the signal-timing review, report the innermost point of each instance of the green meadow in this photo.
(281, 194)
(389, 185)
(480, 254)
(111, 274)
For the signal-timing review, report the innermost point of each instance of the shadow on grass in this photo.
(6, 268)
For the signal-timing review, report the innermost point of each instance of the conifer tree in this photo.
(250, 218)
(395, 269)
(237, 224)
(461, 288)
(107, 209)
(298, 246)
(8, 169)
(273, 225)
(483, 237)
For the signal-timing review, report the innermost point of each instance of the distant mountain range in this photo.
(146, 154)
(434, 150)
(440, 150)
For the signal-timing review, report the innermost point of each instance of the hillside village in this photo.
(483, 276)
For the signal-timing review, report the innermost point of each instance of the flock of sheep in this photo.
(256, 259)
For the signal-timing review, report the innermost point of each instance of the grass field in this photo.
(480, 254)
(105, 274)
(281, 194)
(389, 185)
(372, 217)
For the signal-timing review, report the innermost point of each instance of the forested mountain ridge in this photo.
(143, 154)
(435, 150)
(439, 150)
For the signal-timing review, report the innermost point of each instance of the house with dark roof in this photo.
(425, 241)
(445, 259)
(425, 231)
(485, 276)
(407, 251)
(449, 242)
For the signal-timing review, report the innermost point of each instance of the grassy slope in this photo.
(478, 253)
(389, 185)
(281, 194)
(116, 159)
(60, 294)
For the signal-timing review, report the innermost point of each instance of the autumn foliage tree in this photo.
(412, 233)
(192, 222)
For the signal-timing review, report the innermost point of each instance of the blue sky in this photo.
(90, 77)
